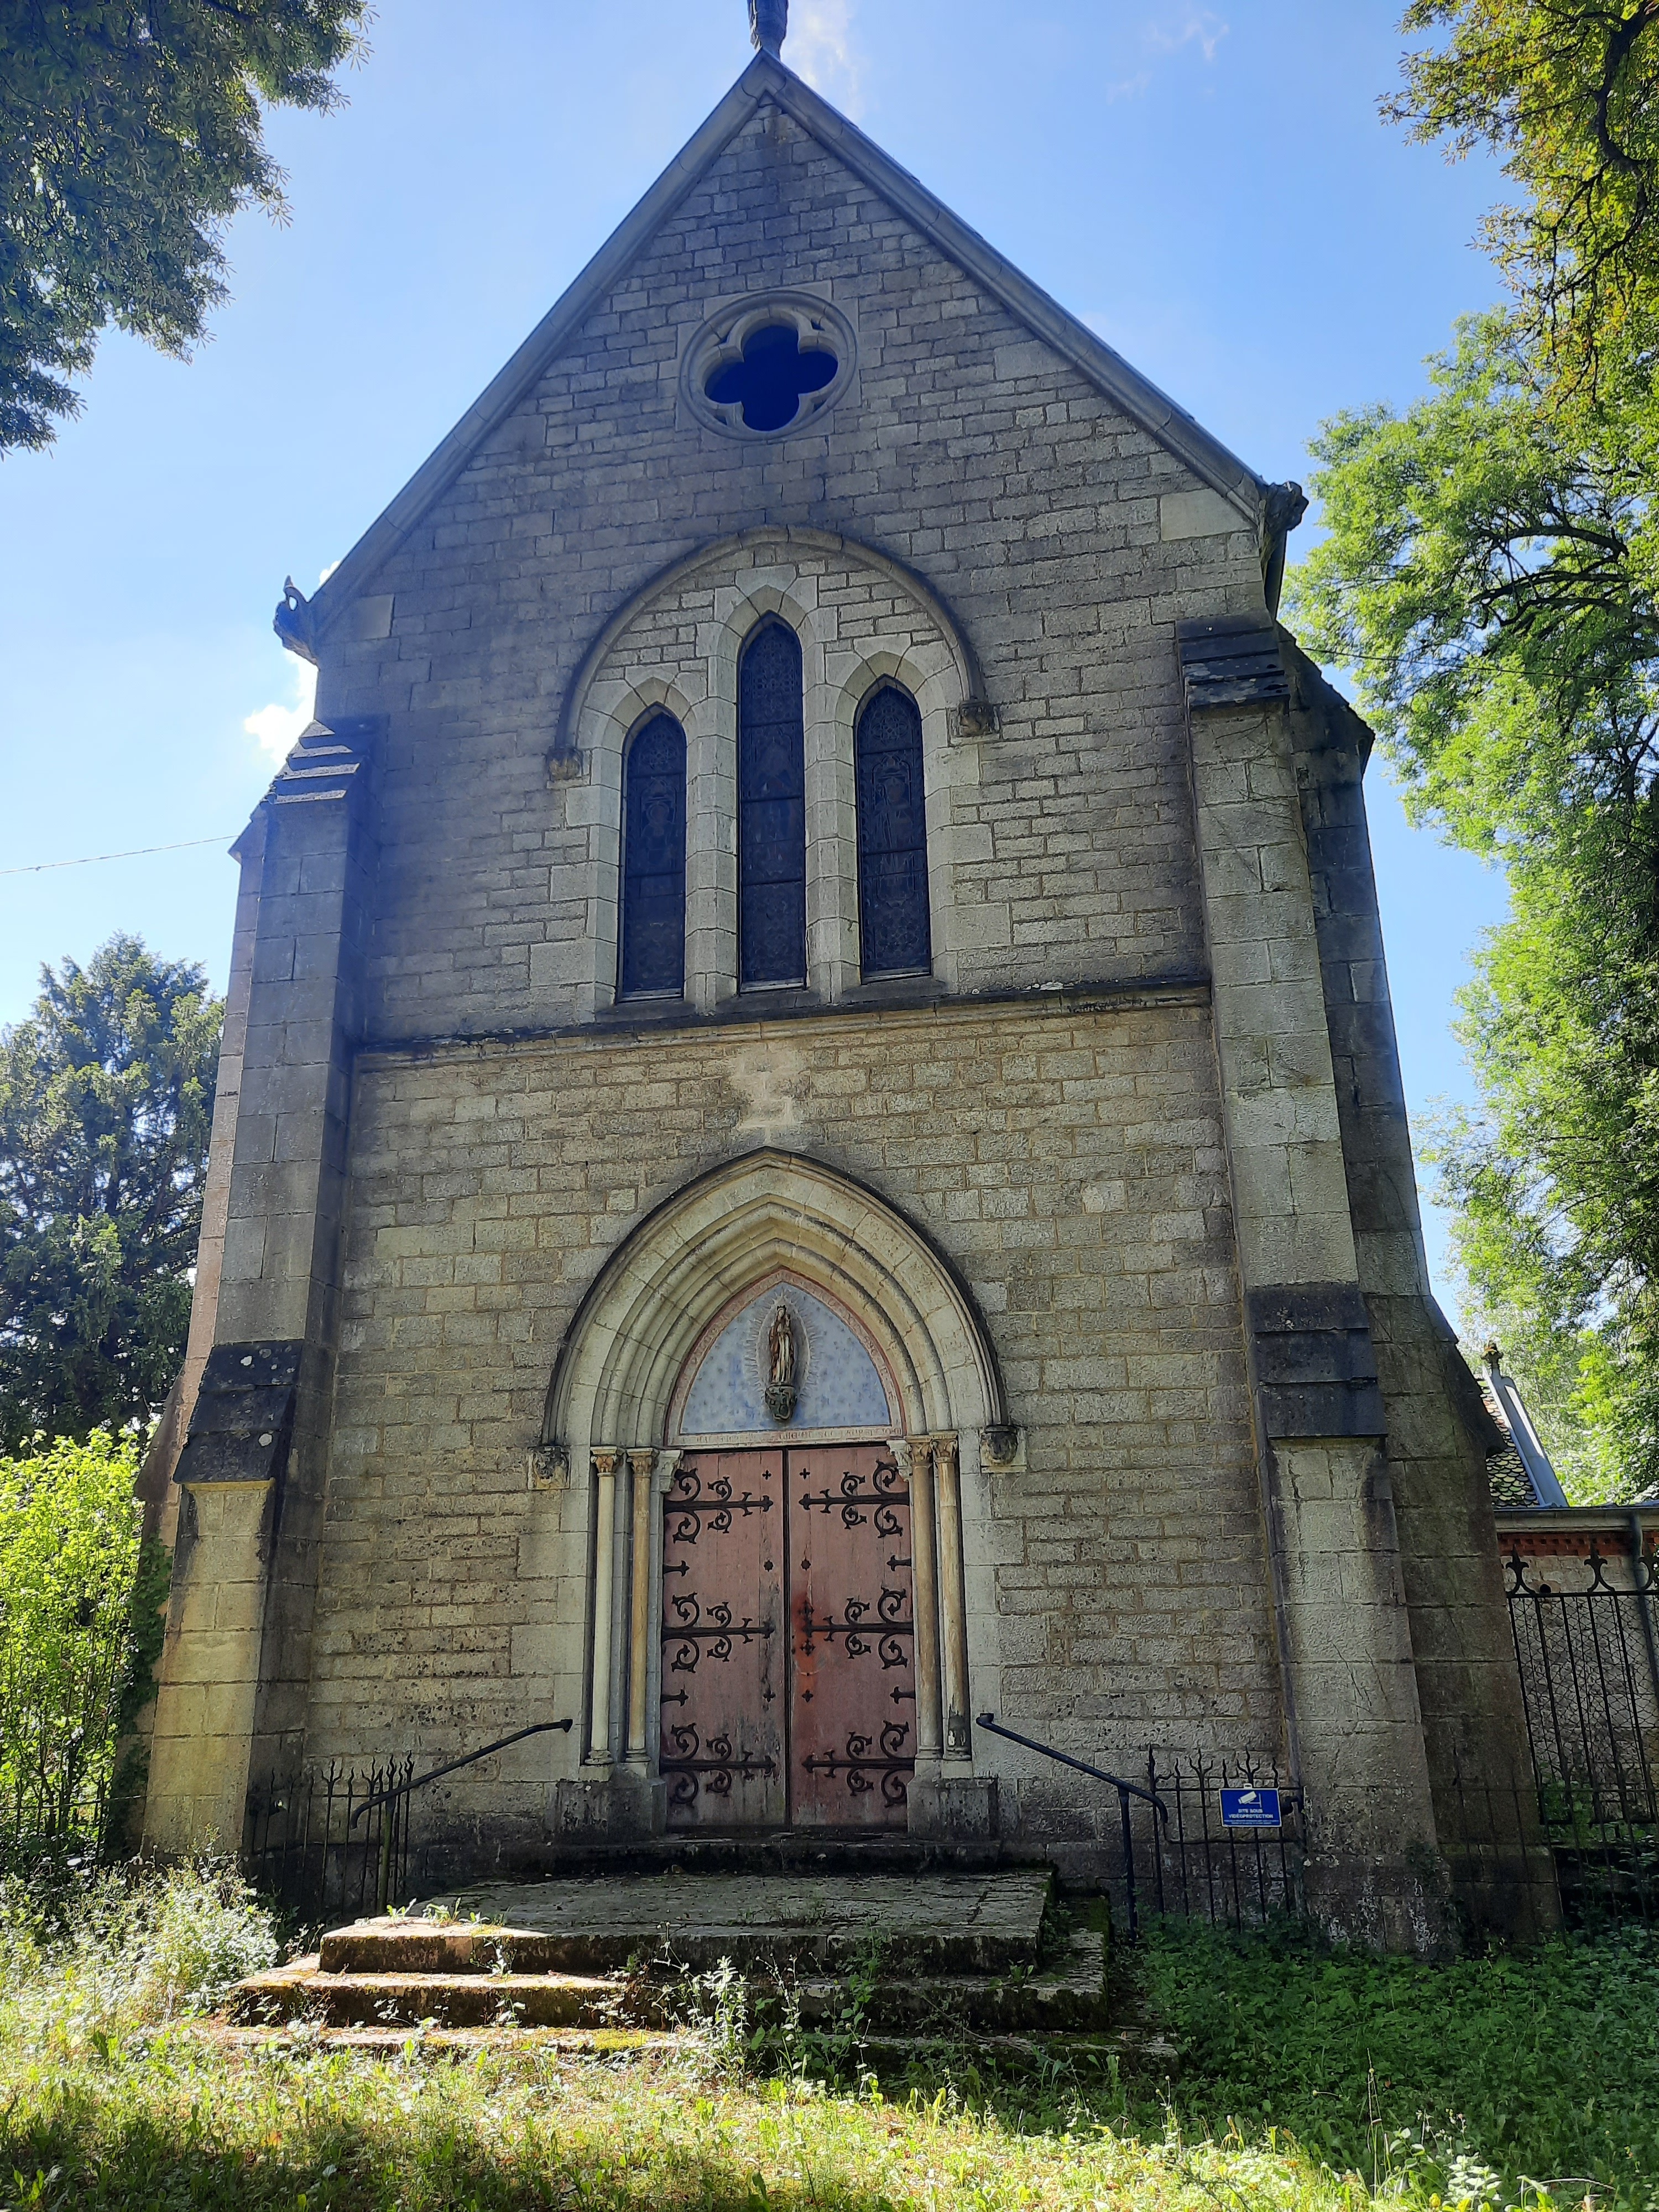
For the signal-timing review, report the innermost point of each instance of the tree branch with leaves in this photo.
(129, 137)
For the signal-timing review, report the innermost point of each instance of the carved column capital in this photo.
(663, 1472)
(606, 1458)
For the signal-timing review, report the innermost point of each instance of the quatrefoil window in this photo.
(768, 367)
(772, 378)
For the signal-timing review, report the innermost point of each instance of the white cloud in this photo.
(276, 726)
(823, 49)
(1193, 26)
(1177, 28)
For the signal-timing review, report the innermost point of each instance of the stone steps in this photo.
(951, 1924)
(635, 2044)
(903, 1957)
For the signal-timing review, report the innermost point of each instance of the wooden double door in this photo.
(788, 1640)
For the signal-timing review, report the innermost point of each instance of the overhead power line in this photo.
(138, 851)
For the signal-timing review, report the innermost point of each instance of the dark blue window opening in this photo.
(894, 934)
(771, 809)
(652, 962)
(773, 378)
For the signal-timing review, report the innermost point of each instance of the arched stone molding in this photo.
(860, 616)
(622, 1367)
(818, 546)
(614, 1378)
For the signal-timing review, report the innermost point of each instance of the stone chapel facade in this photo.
(808, 1140)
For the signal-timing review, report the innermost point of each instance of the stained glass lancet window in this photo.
(652, 961)
(894, 932)
(771, 809)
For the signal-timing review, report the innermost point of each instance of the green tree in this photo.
(69, 1562)
(1479, 581)
(105, 1102)
(1568, 92)
(129, 135)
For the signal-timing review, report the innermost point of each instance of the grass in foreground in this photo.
(1541, 2065)
(1311, 2082)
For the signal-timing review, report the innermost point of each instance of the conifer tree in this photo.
(106, 1103)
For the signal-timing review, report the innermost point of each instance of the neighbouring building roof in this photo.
(1520, 1472)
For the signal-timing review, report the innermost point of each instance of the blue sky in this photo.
(1209, 186)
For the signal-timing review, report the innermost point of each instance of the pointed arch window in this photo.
(894, 934)
(771, 809)
(652, 957)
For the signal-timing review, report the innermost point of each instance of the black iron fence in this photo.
(338, 1841)
(1196, 1836)
(333, 1842)
(1202, 1868)
(1585, 1645)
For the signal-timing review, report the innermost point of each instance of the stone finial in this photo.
(769, 25)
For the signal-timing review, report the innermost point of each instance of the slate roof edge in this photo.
(525, 366)
(1136, 395)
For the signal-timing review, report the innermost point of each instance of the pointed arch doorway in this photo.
(755, 1528)
(788, 1675)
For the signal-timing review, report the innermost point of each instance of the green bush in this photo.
(70, 1660)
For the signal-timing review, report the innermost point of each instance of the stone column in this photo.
(642, 1467)
(916, 1455)
(953, 1605)
(605, 1556)
(1438, 1431)
(1353, 1722)
(204, 1733)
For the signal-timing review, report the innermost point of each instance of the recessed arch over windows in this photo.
(860, 619)
(771, 809)
(651, 961)
(895, 932)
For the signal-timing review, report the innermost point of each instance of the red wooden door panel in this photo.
(723, 1664)
(853, 1691)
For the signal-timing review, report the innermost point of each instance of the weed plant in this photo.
(1310, 2082)
(1478, 2077)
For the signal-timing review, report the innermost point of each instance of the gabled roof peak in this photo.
(303, 623)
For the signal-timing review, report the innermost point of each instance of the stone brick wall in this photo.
(1064, 539)
(1066, 1157)
(1148, 1094)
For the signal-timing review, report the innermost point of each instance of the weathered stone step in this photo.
(942, 1924)
(1068, 1999)
(302, 1991)
(389, 2042)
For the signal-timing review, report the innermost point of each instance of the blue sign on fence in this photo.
(1250, 1808)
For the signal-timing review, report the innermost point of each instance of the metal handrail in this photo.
(1064, 1758)
(1125, 1790)
(408, 1789)
(383, 1886)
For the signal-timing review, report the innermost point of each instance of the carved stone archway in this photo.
(606, 1423)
